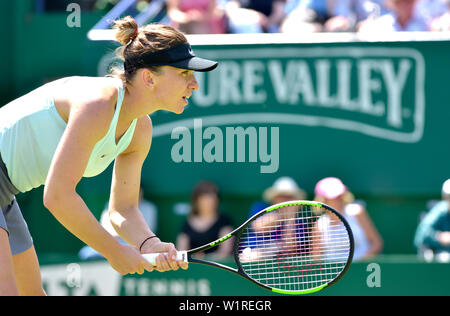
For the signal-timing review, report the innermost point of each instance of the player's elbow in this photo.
(50, 199)
(116, 219)
(54, 197)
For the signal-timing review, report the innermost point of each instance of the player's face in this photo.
(174, 86)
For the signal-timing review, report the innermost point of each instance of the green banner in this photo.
(373, 114)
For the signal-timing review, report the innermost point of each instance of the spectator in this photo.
(255, 16)
(442, 21)
(348, 14)
(149, 212)
(205, 223)
(284, 189)
(433, 232)
(334, 193)
(196, 16)
(306, 16)
(431, 9)
(402, 17)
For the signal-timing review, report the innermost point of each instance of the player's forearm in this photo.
(130, 225)
(72, 212)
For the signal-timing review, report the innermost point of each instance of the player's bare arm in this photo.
(88, 122)
(124, 212)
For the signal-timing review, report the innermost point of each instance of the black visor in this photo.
(180, 56)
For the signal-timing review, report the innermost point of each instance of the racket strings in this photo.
(295, 248)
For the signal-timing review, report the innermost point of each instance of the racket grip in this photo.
(151, 257)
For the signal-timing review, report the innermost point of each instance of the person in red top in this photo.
(196, 16)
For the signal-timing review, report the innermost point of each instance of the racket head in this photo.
(295, 247)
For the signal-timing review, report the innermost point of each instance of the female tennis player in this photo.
(75, 127)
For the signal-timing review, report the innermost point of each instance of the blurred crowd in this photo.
(206, 220)
(308, 16)
(289, 16)
(331, 191)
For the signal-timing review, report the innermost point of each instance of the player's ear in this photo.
(148, 78)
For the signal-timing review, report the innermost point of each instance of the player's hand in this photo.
(166, 261)
(128, 260)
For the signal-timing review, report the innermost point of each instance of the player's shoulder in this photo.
(83, 90)
(88, 102)
(100, 90)
(99, 95)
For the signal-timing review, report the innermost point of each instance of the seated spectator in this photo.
(196, 16)
(148, 210)
(431, 9)
(254, 16)
(403, 17)
(441, 23)
(284, 189)
(433, 232)
(348, 14)
(306, 16)
(334, 193)
(205, 223)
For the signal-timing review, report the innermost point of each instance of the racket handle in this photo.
(151, 257)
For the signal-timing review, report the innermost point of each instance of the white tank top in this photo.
(30, 131)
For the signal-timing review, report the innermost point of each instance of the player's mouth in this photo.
(186, 99)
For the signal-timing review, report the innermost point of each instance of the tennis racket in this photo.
(295, 247)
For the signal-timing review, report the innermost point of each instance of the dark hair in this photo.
(202, 188)
(136, 41)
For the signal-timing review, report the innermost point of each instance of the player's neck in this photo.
(137, 104)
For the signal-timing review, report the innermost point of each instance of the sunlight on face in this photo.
(173, 88)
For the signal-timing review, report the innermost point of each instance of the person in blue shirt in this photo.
(284, 189)
(306, 16)
(254, 16)
(433, 232)
(401, 17)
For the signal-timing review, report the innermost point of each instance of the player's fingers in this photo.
(162, 264)
(148, 266)
(172, 258)
(183, 265)
(141, 268)
(173, 264)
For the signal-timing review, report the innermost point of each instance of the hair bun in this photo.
(126, 29)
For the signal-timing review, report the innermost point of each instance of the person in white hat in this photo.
(284, 189)
(433, 231)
